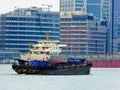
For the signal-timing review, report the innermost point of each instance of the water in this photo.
(99, 79)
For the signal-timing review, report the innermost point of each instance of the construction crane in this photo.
(83, 9)
(48, 6)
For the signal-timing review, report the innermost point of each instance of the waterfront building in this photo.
(118, 40)
(82, 33)
(101, 9)
(24, 25)
(115, 25)
(8, 54)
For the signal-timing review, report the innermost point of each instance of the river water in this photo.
(99, 79)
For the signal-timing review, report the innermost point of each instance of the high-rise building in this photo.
(118, 40)
(97, 28)
(82, 33)
(115, 24)
(101, 9)
(24, 25)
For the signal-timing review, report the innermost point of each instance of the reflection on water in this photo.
(99, 79)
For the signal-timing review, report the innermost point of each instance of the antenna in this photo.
(48, 6)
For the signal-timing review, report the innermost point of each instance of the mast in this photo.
(29, 48)
(47, 36)
(29, 45)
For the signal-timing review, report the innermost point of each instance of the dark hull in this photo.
(51, 70)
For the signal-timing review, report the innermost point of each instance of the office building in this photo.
(24, 25)
(82, 33)
(115, 24)
(101, 9)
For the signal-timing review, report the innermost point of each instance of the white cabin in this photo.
(43, 50)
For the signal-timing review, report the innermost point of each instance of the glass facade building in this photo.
(9, 54)
(21, 26)
(85, 35)
(101, 9)
(115, 25)
(82, 33)
(118, 34)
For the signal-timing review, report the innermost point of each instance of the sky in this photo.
(9, 5)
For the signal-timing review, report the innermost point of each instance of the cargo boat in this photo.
(41, 59)
(76, 67)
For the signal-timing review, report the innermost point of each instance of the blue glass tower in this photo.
(115, 24)
(99, 8)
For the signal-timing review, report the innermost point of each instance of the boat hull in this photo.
(51, 70)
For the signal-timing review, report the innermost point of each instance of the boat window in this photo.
(37, 47)
(48, 53)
